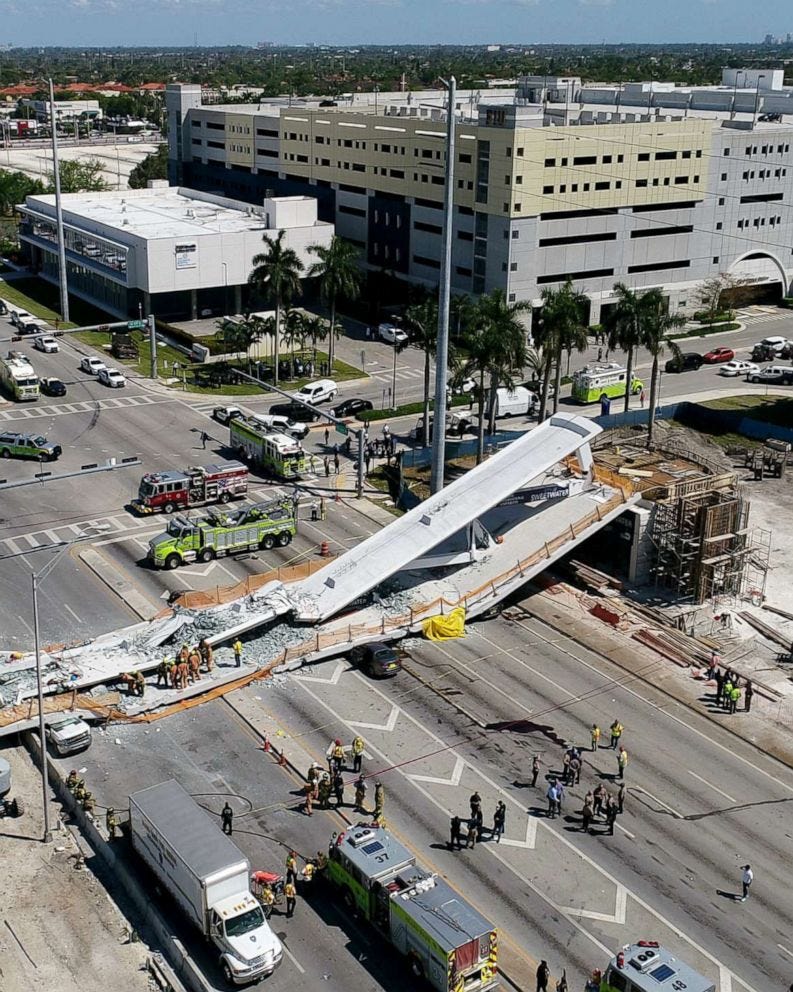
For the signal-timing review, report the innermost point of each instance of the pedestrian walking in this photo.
(746, 880)
(472, 831)
(616, 730)
(499, 820)
(747, 696)
(622, 761)
(559, 797)
(586, 818)
(227, 816)
(535, 769)
(336, 462)
(314, 511)
(600, 354)
(621, 797)
(290, 892)
(543, 976)
(455, 837)
(326, 464)
(204, 439)
(552, 796)
(566, 769)
(237, 649)
(367, 461)
(594, 736)
(313, 463)
(641, 399)
(327, 436)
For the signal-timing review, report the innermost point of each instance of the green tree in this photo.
(421, 322)
(276, 277)
(154, 166)
(80, 175)
(339, 278)
(626, 329)
(656, 324)
(562, 327)
(14, 187)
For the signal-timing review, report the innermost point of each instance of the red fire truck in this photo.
(195, 486)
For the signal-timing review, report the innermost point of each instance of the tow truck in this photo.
(447, 943)
(260, 526)
(646, 966)
(197, 485)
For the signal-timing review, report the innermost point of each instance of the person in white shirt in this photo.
(746, 881)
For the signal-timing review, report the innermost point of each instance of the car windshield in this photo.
(39, 441)
(245, 922)
(383, 654)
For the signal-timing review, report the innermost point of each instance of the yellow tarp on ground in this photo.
(443, 628)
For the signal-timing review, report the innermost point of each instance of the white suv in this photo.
(112, 378)
(317, 392)
(93, 366)
(284, 425)
(47, 343)
(392, 334)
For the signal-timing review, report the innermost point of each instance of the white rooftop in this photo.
(162, 212)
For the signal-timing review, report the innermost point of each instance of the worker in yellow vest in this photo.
(236, 647)
(594, 736)
(616, 732)
(622, 761)
(357, 753)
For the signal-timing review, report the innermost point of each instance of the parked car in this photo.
(51, 386)
(779, 374)
(738, 367)
(68, 734)
(689, 361)
(377, 660)
(317, 392)
(112, 378)
(223, 414)
(351, 407)
(294, 411)
(283, 425)
(717, 355)
(93, 366)
(47, 344)
(391, 334)
(774, 343)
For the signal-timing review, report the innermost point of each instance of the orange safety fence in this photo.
(102, 705)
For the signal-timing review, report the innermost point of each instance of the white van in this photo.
(317, 392)
(281, 425)
(517, 402)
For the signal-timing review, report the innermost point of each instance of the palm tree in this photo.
(339, 276)
(562, 328)
(276, 277)
(656, 323)
(421, 321)
(625, 329)
(462, 311)
(316, 328)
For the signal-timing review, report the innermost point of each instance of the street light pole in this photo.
(393, 377)
(56, 170)
(757, 98)
(47, 838)
(444, 292)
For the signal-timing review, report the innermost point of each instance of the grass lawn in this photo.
(770, 409)
(42, 299)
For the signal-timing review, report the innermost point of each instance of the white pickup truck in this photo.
(68, 734)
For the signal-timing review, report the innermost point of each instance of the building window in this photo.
(718, 225)
(602, 185)
(547, 189)
(607, 160)
(550, 163)
(585, 160)
(686, 154)
(465, 158)
(513, 266)
(644, 156)
(725, 152)
(724, 177)
(519, 152)
(715, 259)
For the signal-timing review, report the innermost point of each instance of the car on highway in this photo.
(91, 365)
(779, 374)
(282, 425)
(294, 411)
(112, 378)
(392, 334)
(47, 344)
(224, 414)
(351, 407)
(377, 660)
(718, 355)
(738, 367)
(51, 386)
(688, 361)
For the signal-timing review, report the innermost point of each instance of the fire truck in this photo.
(648, 967)
(198, 485)
(448, 944)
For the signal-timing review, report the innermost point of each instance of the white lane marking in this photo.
(24, 622)
(387, 727)
(783, 948)
(67, 607)
(657, 707)
(453, 779)
(711, 786)
(655, 799)
(724, 974)
(293, 959)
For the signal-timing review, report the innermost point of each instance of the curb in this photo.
(114, 580)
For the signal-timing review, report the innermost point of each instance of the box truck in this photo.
(208, 877)
(517, 402)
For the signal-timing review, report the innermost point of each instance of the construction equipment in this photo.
(251, 528)
(197, 485)
(448, 944)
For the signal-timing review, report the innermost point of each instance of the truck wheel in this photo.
(17, 807)
(603, 397)
(173, 561)
(752, 378)
(206, 555)
(5, 453)
(225, 497)
(168, 508)
(284, 539)
(228, 974)
(267, 542)
(416, 967)
(348, 899)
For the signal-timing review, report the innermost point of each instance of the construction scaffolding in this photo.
(704, 549)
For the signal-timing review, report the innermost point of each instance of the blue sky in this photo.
(220, 22)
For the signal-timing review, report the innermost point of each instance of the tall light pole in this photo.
(735, 91)
(56, 170)
(37, 578)
(444, 291)
(757, 98)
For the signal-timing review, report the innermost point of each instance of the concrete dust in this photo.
(67, 934)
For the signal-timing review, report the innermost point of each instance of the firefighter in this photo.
(308, 788)
(111, 822)
(379, 801)
(139, 684)
(321, 861)
(173, 666)
(360, 794)
(324, 790)
(88, 802)
(129, 683)
(291, 866)
(308, 872)
(236, 647)
(616, 730)
(79, 790)
(205, 650)
(594, 736)
(71, 780)
(312, 779)
(182, 675)
(162, 673)
(357, 753)
(194, 663)
(337, 756)
(184, 654)
(267, 899)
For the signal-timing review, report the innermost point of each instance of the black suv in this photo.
(688, 362)
(295, 411)
(350, 408)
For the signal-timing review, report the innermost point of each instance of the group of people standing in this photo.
(474, 825)
(729, 690)
(321, 785)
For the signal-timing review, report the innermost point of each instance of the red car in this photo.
(719, 355)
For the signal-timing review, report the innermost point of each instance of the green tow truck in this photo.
(221, 532)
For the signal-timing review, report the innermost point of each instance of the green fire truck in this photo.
(648, 967)
(261, 526)
(276, 453)
(448, 944)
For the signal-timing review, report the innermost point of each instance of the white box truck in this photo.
(207, 875)
(517, 402)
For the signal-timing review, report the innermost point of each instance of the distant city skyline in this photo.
(89, 23)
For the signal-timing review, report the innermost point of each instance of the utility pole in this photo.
(153, 345)
(59, 212)
(361, 452)
(444, 290)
